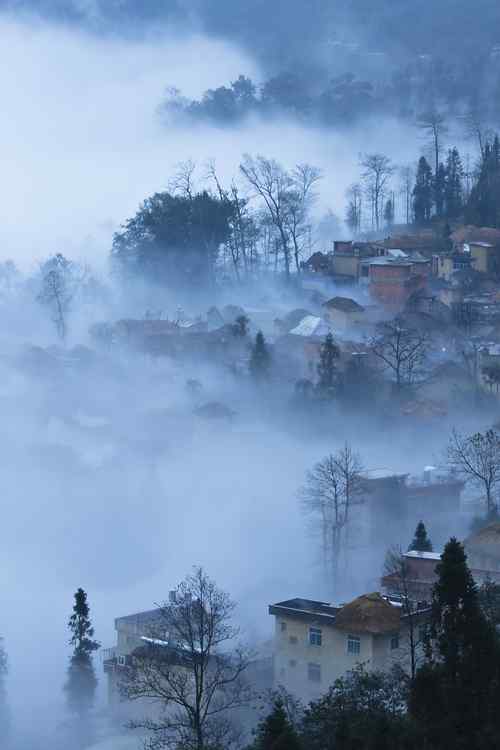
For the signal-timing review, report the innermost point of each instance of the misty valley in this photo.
(250, 376)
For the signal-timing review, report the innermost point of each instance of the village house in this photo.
(347, 257)
(343, 313)
(445, 266)
(392, 280)
(483, 558)
(483, 552)
(317, 642)
(482, 244)
(420, 577)
(135, 632)
(391, 505)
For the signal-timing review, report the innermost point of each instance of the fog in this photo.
(109, 480)
(82, 129)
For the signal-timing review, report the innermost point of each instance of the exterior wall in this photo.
(482, 257)
(341, 320)
(346, 265)
(393, 285)
(444, 267)
(291, 659)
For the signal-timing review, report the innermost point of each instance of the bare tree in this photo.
(433, 124)
(476, 129)
(407, 178)
(377, 171)
(398, 579)
(186, 669)
(239, 222)
(183, 179)
(60, 281)
(476, 459)
(354, 207)
(273, 184)
(299, 201)
(402, 351)
(333, 486)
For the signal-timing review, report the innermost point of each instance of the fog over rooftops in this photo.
(311, 326)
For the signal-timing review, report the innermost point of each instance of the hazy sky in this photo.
(81, 143)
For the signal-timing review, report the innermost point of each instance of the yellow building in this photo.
(483, 256)
(315, 642)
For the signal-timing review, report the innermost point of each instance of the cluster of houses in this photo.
(316, 642)
(446, 287)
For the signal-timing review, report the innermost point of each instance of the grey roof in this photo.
(346, 304)
(307, 609)
(141, 618)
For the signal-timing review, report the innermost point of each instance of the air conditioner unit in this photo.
(121, 660)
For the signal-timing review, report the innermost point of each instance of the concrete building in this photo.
(393, 280)
(483, 553)
(343, 313)
(316, 642)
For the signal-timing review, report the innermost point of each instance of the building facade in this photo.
(315, 642)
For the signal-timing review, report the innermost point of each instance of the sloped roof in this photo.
(369, 613)
(311, 326)
(471, 234)
(346, 304)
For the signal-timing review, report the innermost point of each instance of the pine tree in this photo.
(483, 207)
(453, 194)
(260, 359)
(422, 192)
(455, 695)
(327, 368)
(389, 213)
(275, 732)
(81, 683)
(421, 542)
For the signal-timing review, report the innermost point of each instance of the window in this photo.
(314, 672)
(293, 639)
(394, 641)
(353, 644)
(292, 663)
(283, 626)
(315, 636)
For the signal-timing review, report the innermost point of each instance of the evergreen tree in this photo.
(327, 368)
(483, 207)
(453, 194)
(421, 542)
(275, 732)
(81, 683)
(260, 358)
(389, 213)
(439, 184)
(422, 192)
(454, 696)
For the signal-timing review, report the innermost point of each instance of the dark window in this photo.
(395, 641)
(293, 639)
(283, 626)
(315, 636)
(314, 672)
(292, 663)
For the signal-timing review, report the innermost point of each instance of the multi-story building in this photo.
(316, 642)
(392, 280)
